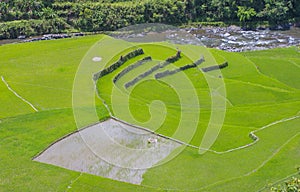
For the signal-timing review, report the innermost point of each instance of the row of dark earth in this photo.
(137, 52)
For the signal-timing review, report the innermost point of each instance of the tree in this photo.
(245, 14)
(275, 11)
(3, 10)
(222, 10)
(294, 9)
(48, 13)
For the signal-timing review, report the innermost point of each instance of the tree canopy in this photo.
(23, 17)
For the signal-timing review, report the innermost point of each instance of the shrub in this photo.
(293, 185)
(13, 29)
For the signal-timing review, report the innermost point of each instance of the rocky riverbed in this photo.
(231, 38)
(24, 39)
(235, 39)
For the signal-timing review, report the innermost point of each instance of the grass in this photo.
(20, 140)
(44, 68)
(10, 104)
(261, 87)
(270, 67)
(208, 170)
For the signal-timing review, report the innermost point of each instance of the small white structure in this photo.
(97, 59)
(152, 140)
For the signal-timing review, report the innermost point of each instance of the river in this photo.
(231, 38)
(236, 40)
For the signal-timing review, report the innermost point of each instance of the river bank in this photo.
(232, 38)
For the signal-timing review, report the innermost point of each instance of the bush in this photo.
(13, 29)
(293, 185)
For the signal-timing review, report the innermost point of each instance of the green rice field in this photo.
(239, 125)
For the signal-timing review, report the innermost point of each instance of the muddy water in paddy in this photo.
(92, 151)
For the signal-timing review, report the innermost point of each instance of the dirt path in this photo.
(16, 94)
(273, 155)
(73, 181)
(255, 137)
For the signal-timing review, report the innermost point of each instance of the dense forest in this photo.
(34, 17)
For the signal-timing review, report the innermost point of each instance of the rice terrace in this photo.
(151, 112)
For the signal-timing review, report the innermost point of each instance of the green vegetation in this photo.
(258, 94)
(35, 17)
(21, 140)
(245, 14)
(293, 185)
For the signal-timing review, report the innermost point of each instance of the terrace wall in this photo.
(119, 63)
